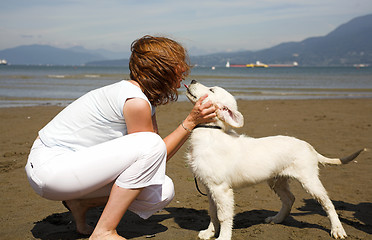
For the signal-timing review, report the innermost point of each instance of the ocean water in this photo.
(60, 85)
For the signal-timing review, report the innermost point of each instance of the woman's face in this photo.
(181, 76)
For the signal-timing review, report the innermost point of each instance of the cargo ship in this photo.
(250, 65)
(259, 64)
(294, 64)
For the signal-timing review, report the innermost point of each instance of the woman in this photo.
(103, 149)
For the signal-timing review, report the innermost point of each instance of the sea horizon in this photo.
(22, 85)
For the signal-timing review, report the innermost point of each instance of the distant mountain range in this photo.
(48, 55)
(349, 44)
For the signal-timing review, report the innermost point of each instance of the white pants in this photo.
(133, 161)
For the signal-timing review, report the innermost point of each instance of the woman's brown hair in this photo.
(157, 64)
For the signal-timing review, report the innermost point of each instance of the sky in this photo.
(202, 26)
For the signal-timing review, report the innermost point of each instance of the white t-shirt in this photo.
(94, 118)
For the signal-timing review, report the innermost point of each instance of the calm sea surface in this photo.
(59, 85)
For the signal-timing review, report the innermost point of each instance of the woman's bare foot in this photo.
(118, 203)
(109, 235)
(79, 211)
(79, 208)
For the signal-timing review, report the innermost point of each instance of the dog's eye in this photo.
(211, 89)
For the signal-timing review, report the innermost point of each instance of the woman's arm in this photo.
(137, 115)
(201, 113)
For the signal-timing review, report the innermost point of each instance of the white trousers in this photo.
(132, 161)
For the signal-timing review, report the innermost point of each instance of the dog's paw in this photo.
(206, 234)
(338, 233)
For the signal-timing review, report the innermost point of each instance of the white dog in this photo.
(222, 160)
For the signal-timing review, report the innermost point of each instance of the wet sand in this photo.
(334, 127)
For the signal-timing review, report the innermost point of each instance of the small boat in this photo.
(3, 62)
(360, 65)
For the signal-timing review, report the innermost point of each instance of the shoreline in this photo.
(335, 127)
(10, 102)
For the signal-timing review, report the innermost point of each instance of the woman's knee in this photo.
(153, 198)
(152, 144)
(168, 190)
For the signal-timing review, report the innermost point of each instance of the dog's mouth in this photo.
(189, 94)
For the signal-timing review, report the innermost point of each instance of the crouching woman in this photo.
(104, 148)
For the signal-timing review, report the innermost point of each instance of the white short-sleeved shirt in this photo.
(94, 118)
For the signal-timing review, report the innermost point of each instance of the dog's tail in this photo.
(338, 161)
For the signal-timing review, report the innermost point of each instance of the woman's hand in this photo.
(201, 113)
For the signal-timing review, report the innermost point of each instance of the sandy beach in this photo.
(335, 128)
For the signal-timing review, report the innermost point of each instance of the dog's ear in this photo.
(231, 117)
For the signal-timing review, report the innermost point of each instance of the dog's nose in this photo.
(193, 81)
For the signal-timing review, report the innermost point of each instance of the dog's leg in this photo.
(214, 225)
(313, 186)
(281, 187)
(223, 197)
